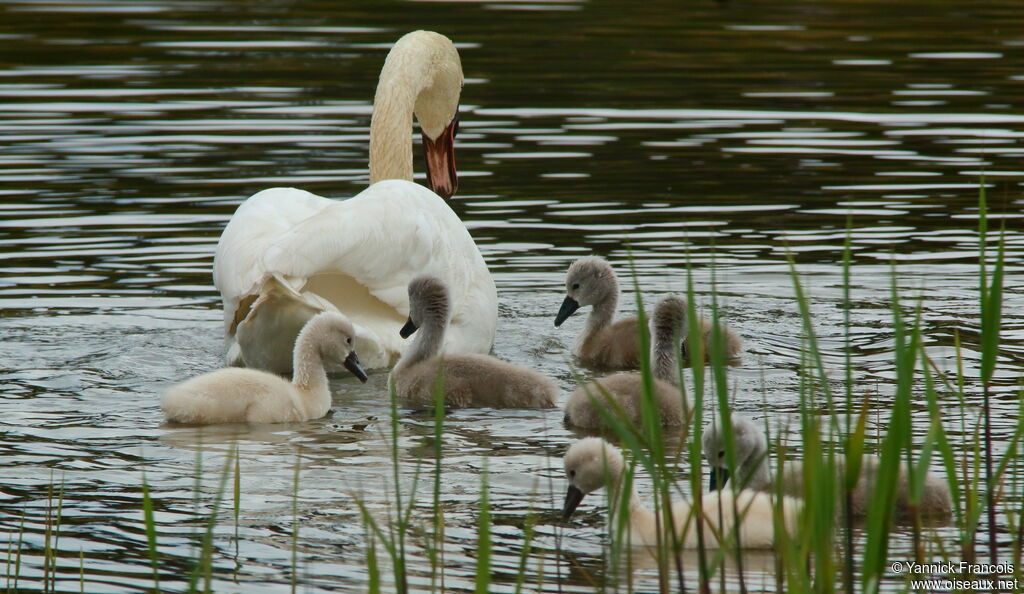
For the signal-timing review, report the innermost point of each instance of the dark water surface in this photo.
(724, 135)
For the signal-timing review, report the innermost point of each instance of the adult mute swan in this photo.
(287, 254)
(254, 396)
(593, 463)
(467, 380)
(753, 471)
(605, 344)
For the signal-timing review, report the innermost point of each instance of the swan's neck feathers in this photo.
(427, 343)
(309, 376)
(601, 315)
(390, 139)
(644, 527)
(755, 472)
(665, 360)
(423, 75)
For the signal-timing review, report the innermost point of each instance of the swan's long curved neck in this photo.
(664, 357)
(427, 344)
(643, 522)
(308, 374)
(757, 473)
(601, 315)
(391, 126)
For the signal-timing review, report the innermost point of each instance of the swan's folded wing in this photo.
(258, 222)
(382, 238)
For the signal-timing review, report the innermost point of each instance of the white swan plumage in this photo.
(287, 254)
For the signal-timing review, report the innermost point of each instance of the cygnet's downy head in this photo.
(669, 321)
(428, 300)
(589, 281)
(590, 464)
(335, 336)
(750, 445)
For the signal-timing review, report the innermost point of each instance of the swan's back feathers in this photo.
(474, 381)
(383, 238)
(363, 250)
(237, 265)
(625, 389)
(231, 396)
(616, 346)
(752, 511)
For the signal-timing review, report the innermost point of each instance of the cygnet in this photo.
(605, 344)
(624, 391)
(593, 463)
(752, 471)
(467, 380)
(235, 395)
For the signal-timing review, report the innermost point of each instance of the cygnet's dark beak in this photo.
(573, 497)
(408, 329)
(352, 364)
(440, 153)
(569, 306)
(719, 476)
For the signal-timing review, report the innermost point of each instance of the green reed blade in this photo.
(150, 522)
(483, 543)
(295, 519)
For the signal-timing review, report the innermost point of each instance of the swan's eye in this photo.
(575, 286)
(721, 453)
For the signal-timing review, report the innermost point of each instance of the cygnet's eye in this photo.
(575, 286)
(572, 474)
(721, 453)
(349, 340)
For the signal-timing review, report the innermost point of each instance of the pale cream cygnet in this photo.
(467, 380)
(753, 471)
(605, 344)
(620, 395)
(236, 395)
(593, 463)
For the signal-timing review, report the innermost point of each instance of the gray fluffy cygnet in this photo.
(623, 392)
(615, 345)
(753, 471)
(467, 380)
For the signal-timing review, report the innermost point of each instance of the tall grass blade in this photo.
(437, 549)
(483, 544)
(204, 564)
(150, 522)
(991, 314)
(295, 518)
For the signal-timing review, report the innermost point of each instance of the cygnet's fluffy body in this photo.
(592, 463)
(625, 390)
(467, 380)
(235, 395)
(753, 472)
(605, 344)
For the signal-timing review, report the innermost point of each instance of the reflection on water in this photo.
(713, 135)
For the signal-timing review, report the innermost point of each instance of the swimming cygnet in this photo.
(753, 471)
(593, 463)
(626, 389)
(616, 345)
(468, 380)
(235, 395)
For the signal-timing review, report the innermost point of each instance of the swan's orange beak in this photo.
(440, 153)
